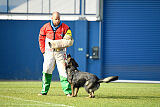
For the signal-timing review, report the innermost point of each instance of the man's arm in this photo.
(68, 35)
(42, 37)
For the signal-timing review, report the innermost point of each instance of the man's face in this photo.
(56, 19)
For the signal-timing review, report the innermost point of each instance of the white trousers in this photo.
(51, 58)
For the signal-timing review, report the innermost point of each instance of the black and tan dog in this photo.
(87, 80)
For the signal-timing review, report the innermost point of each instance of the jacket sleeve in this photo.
(68, 33)
(42, 37)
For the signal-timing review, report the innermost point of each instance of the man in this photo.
(51, 41)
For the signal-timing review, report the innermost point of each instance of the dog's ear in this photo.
(75, 63)
(68, 56)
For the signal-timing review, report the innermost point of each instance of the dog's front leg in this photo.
(76, 92)
(72, 87)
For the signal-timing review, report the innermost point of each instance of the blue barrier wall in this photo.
(20, 55)
(131, 39)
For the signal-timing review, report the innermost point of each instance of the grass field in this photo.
(24, 94)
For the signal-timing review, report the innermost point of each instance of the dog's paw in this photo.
(91, 96)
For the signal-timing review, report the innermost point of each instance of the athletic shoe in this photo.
(69, 95)
(40, 94)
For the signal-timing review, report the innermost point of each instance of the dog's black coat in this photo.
(87, 80)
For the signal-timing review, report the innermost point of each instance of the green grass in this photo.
(24, 94)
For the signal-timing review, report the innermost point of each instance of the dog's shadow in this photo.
(121, 97)
(126, 97)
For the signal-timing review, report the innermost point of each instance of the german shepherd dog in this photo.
(87, 80)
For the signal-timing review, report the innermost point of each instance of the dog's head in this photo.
(71, 61)
(71, 67)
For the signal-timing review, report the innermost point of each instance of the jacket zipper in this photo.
(54, 35)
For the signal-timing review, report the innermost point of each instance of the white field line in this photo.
(49, 104)
(21, 105)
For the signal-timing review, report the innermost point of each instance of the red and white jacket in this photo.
(47, 32)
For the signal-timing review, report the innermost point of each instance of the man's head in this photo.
(56, 18)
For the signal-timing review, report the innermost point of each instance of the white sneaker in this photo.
(69, 95)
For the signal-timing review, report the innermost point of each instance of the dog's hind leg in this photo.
(91, 95)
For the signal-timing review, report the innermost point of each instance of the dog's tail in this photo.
(108, 79)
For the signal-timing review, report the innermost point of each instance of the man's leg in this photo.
(66, 87)
(48, 67)
(46, 81)
(62, 72)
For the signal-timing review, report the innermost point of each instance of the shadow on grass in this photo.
(112, 97)
(127, 97)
